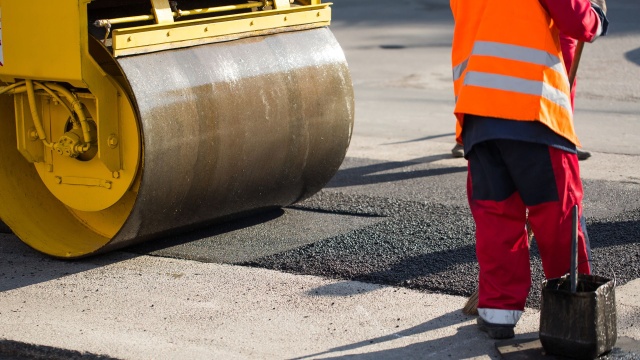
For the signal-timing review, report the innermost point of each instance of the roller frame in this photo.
(100, 76)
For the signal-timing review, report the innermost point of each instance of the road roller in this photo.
(122, 121)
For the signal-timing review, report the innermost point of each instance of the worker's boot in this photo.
(457, 151)
(583, 154)
(496, 331)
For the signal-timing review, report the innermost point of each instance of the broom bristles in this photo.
(471, 307)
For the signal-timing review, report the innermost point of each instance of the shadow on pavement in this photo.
(459, 345)
(212, 230)
(422, 139)
(379, 173)
(22, 266)
(633, 56)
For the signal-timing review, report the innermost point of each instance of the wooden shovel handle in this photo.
(576, 61)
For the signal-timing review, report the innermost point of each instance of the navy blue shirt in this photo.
(477, 129)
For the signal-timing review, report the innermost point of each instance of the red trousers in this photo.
(505, 179)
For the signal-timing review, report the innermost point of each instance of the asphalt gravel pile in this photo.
(430, 246)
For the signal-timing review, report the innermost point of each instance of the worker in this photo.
(568, 46)
(515, 121)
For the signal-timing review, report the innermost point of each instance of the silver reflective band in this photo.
(499, 316)
(459, 69)
(557, 97)
(513, 52)
(519, 53)
(514, 84)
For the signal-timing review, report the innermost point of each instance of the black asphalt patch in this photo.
(404, 224)
(250, 238)
(430, 247)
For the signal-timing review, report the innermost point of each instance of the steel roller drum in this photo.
(226, 129)
(237, 126)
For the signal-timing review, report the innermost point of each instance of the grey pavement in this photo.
(145, 307)
(190, 299)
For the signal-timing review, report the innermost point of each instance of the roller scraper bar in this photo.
(167, 26)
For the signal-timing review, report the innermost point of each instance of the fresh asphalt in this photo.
(394, 220)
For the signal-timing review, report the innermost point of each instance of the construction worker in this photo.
(514, 119)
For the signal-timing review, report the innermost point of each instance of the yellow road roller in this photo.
(125, 120)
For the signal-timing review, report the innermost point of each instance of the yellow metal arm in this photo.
(181, 13)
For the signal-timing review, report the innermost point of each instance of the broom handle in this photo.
(574, 65)
(574, 250)
(574, 228)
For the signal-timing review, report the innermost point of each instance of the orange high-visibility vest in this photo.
(507, 63)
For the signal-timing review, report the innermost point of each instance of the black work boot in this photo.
(457, 151)
(583, 154)
(496, 331)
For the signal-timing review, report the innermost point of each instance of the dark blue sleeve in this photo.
(603, 19)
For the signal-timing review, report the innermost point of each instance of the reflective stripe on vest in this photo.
(514, 84)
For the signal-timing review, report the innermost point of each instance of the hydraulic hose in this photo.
(77, 108)
(29, 87)
(34, 113)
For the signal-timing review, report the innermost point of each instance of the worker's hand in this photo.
(602, 4)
